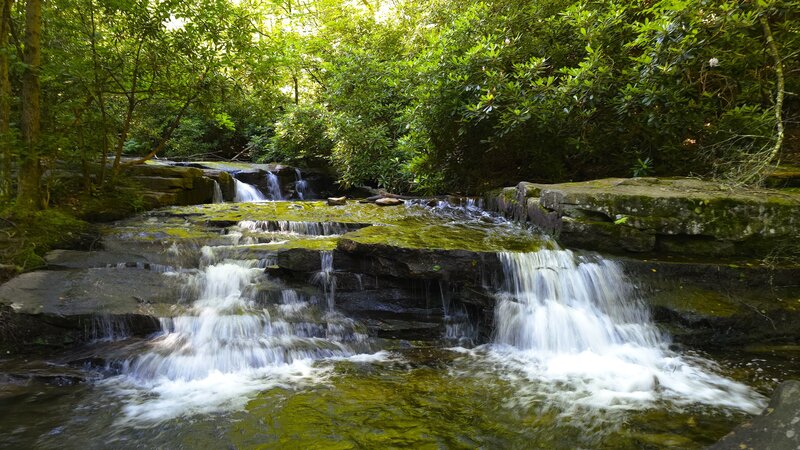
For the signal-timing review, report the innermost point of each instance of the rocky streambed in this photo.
(260, 311)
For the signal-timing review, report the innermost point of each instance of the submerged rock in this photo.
(777, 428)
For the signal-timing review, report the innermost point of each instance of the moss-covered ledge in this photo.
(679, 216)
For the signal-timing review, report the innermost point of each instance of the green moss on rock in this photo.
(447, 237)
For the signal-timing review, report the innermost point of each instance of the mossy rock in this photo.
(684, 215)
(448, 237)
(164, 171)
(316, 211)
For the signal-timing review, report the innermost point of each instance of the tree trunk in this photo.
(98, 86)
(29, 195)
(773, 49)
(167, 133)
(126, 127)
(6, 154)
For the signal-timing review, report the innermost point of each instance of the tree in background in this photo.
(428, 96)
(6, 143)
(30, 169)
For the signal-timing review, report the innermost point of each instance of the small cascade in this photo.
(217, 198)
(247, 192)
(460, 208)
(159, 268)
(574, 322)
(554, 303)
(273, 187)
(301, 187)
(474, 204)
(459, 328)
(234, 340)
(299, 228)
(326, 278)
(105, 327)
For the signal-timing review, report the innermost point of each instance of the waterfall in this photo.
(299, 228)
(301, 187)
(558, 304)
(273, 187)
(457, 324)
(326, 278)
(217, 194)
(105, 327)
(247, 192)
(573, 323)
(232, 342)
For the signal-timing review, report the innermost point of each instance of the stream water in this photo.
(245, 360)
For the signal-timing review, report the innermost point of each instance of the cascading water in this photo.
(247, 192)
(326, 278)
(250, 354)
(217, 198)
(299, 228)
(229, 345)
(273, 187)
(458, 326)
(301, 187)
(573, 323)
(557, 305)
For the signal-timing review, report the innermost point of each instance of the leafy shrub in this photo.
(299, 137)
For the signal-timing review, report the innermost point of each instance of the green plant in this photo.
(298, 137)
(643, 167)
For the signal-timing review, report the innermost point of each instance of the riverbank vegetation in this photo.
(428, 96)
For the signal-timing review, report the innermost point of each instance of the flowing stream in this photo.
(246, 359)
(217, 194)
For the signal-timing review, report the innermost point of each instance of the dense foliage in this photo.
(427, 96)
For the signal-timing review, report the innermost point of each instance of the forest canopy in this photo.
(413, 96)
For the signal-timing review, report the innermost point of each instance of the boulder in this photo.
(388, 201)
(337, 201)
(163, 171)
(175, 186)
(776, 428)
(678, 216)
(164, 184)
(225, 182)
(378, 259)
(202, 191)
